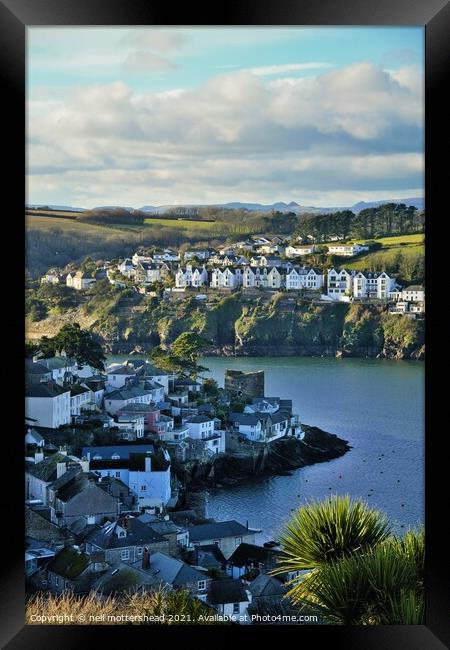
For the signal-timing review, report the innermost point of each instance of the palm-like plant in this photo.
(328, 530)
(359, 573)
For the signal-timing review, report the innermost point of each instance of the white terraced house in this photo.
(191, 277)
(372, 285)
(262, 277)
(226, 278)
(339, 283)
(296, 251)
(304, 278)
(202, 427)
(137, 257)
(167, 255)
(414, 293)
(126, 268)
(346, 250)
(203, 254)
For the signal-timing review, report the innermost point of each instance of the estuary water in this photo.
(375, 404)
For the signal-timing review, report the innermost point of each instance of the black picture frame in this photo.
(15, 16)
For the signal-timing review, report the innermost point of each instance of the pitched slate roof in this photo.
(33, 368)
(46, 469)
(246, 553)
(58, 362)
(264, 585)
(123, 577)
(79, 483)
(217, 530)
(138, 534)
(227, 591)
(173, 571)
(124, 451)
(44, 390)
(69, 563)
(199, 419)
(127, 393)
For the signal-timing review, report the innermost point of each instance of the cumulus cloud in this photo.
(154, 39)
(355, 129)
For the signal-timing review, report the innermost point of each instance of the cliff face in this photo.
(238, 324)
(280, 457)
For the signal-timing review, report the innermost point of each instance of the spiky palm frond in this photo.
(324, 531)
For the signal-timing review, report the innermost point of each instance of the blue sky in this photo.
(174, 115)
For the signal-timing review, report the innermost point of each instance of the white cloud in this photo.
(281, 68)
(353, 130)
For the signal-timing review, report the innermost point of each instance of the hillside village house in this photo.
(139, 369)
(126, 540)
(39, 475)
(230, 598)
(72, 569)
(145, 472)
(203, 254)
(227, 535)
(226, 278)
(126, 268)
(130, 426)
(346, 250)
(167, 255)
(191, 277)
(150, 412)
(414, 293)
(262, 277)
(37, 373)
(339, 283)
(118, 399)
(140, 257)
(178, 575)
(373, 285)
(150, 272)
(304, 278)
(80, 397)
(62, 368)
(80, 280)
(78, 495)
(48, 404)
(296, 251)
(202, 427)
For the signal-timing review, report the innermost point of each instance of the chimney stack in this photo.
(146, 558)
(38, 456)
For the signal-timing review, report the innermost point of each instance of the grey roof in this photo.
(69, 563)
(173, 571)
(44, 390)
(138, 534)
(35, 435)
(58, 362)
(33, 368)
(123, 577)
(247, 553)
(227, 591)
(414, 287)
(248, 418)
(217, 530)
(265, 585)
(127, 393)
(164, 527)
(198, 419)
(124, 451)
(46, 469)
(138, 407)
(81, 482)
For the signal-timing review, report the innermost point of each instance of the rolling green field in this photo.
(407, 245)
(182, 225)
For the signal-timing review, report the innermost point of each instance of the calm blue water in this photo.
(377, 405)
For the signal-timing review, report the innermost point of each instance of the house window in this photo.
(117, 474)
(235, 608)
(139, 550)
(125, 554)
(217, 542)
(201, 585)
(238, 540)
(143, 488)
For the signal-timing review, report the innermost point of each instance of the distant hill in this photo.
(65, 208)
(418, 202)
(280, 206)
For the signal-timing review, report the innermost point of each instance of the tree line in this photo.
(381, 221)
